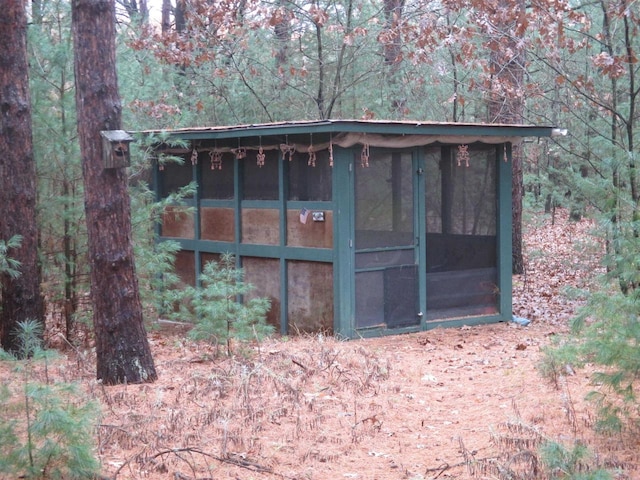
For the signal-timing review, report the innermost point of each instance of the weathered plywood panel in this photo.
(261, 226)
(264, 275)
(217, 224)
(310, 234)
(177, 222)
(185, 267)
(310, 288)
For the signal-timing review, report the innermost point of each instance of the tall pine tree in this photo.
(123, 352)
(21, 296)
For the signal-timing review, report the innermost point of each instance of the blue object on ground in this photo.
(520, 321)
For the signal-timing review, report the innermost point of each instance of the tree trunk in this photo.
(517, 195)
(506, 104)
(392, 52)
(21, 297)
(282, 32)
(179, 16)
(392, 46)
(166, 16)
(122, 349)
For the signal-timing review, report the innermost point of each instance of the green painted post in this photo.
(343, 271)
(421, 233)
(284, 271)
(504, 231)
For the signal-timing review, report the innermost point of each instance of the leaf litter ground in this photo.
(446, 403)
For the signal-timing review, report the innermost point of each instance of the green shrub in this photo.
(606, 333)
(221, 307)
(609, 334)
(558, 360)
(46, 428)
(570, 464)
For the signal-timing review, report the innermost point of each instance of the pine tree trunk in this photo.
(282, 31)
(392, 52)
(21, 297)
(517, 194)
(506, 103)
(392, 48)
(166, 16)
(122, 349)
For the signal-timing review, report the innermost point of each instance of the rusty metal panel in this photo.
(310, 294)
(185, 267)
(217, 224)
(264, 275)
(206, 257)
(177, 222)
(261, 226)
(318, 234)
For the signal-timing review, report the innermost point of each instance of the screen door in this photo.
(386, 278)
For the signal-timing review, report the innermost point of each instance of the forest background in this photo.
(561, 63)
(201, 63)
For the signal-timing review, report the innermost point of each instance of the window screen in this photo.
(310, 182)
(472, 195)
(174, 176)
(217, 182)
(461, 190)
(384, 201)
(433, 189)
(260, 182)
(461, 246)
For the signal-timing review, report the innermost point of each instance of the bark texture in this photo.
(123, 353)
(392, 47)
(506, 103)
(392, 52)
(21, 297)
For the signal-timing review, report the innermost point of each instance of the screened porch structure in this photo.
(356, 228)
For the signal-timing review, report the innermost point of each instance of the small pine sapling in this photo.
(575, 463)
(46, 428)
(222, 308)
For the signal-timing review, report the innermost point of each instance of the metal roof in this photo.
(382, 127)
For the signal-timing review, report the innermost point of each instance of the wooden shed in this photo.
(351, 227)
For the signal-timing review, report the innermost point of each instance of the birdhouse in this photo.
(115, 148)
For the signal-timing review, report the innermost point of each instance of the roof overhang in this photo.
(346, 133)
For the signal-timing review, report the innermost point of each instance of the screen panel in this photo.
(309, 181)
(260, 182)
(461, 224)
(384, 201)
